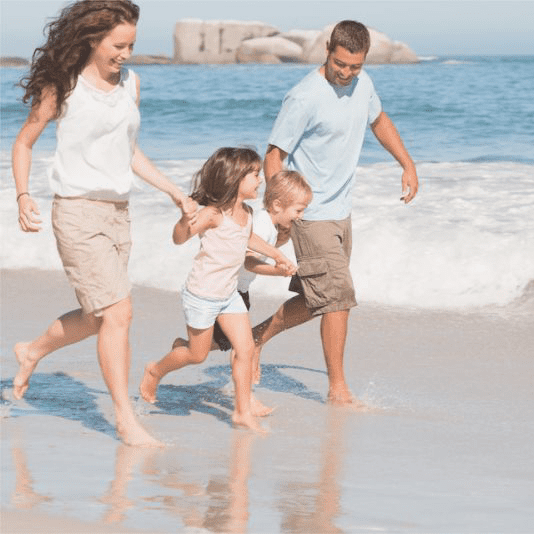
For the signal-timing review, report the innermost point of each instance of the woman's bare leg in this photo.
(114, 358)
(70, 328)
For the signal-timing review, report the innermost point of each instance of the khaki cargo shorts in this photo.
(93, 241)
(323, 251)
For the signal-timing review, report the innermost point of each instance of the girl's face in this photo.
(248, 188)
(114, 49)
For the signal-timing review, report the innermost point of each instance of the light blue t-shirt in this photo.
(322, 126)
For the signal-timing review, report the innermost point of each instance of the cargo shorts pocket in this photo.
(315, 281)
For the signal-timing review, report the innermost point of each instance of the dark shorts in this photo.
(323, 250)
(219, 336)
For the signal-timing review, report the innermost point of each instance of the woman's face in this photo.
(114, 49)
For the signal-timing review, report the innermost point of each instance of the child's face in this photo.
(285, 216)
(248, 188)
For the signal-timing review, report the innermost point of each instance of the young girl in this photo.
(227, 179)
(77, 80)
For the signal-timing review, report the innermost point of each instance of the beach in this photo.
(443, 446)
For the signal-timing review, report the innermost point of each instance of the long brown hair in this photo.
(60, 60)
(217, 182)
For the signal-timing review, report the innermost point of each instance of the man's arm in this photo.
(389, 138)
(274, 161)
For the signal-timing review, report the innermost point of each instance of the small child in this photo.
(228, 178)
(287, 194)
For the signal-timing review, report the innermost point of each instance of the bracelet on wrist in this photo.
(21, 194)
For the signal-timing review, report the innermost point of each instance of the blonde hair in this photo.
(286, 187)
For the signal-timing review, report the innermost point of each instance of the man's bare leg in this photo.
(70, 328)
(292, 313)
(333, 335)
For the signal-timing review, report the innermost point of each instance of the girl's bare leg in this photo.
(183, 353)
(70, 328)
(114, 358)
(239, 333)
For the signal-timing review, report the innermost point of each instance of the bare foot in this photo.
(259, 409)
(149, 384)
(340, 395)
(135, 435)
(248, 421)
(27, 365)
(343, 397)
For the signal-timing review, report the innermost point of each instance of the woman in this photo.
(77, 79)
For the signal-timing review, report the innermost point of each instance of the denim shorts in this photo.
(201, 312)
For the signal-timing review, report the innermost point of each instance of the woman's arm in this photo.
(148, 172)
(38, 119)
(191, 224)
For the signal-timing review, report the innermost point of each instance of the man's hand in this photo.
(410, 185)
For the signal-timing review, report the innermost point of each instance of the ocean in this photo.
(465, 242)
(440, 349)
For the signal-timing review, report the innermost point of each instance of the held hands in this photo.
(27, 214)
(410, 185)
(285, 266)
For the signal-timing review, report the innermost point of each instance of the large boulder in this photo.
(280, 49)
(383, 49)
(214, 41)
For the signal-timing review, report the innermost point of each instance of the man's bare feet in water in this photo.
(134, 435)
(149, 384)
(343, 397)
(259, 409)
(248, 421)
(27, 365)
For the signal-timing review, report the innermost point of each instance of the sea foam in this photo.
(465, 241)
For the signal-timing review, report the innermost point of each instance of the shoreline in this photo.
(447, 395)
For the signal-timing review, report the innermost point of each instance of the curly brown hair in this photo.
(60, 60)
(217, 182)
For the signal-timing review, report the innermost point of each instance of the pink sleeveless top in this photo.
(217, 264)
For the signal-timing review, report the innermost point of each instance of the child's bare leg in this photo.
(114, 358)
(292, 313)
(237, 329)
(68, 329)
(183, 353)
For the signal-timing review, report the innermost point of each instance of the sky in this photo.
(429, 27)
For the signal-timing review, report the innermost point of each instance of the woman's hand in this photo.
(27, 214)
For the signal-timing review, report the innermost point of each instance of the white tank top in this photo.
(96, 136)
(222, 252)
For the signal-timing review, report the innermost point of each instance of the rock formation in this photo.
(8, 61)
(214, 41)
(197, 42)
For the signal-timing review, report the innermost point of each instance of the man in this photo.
(319, 131)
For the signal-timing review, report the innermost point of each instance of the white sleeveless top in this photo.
(222, 252)
(96, 136)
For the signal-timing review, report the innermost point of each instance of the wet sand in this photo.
(445, 445)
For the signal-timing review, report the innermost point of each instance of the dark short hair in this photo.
(352, 35)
